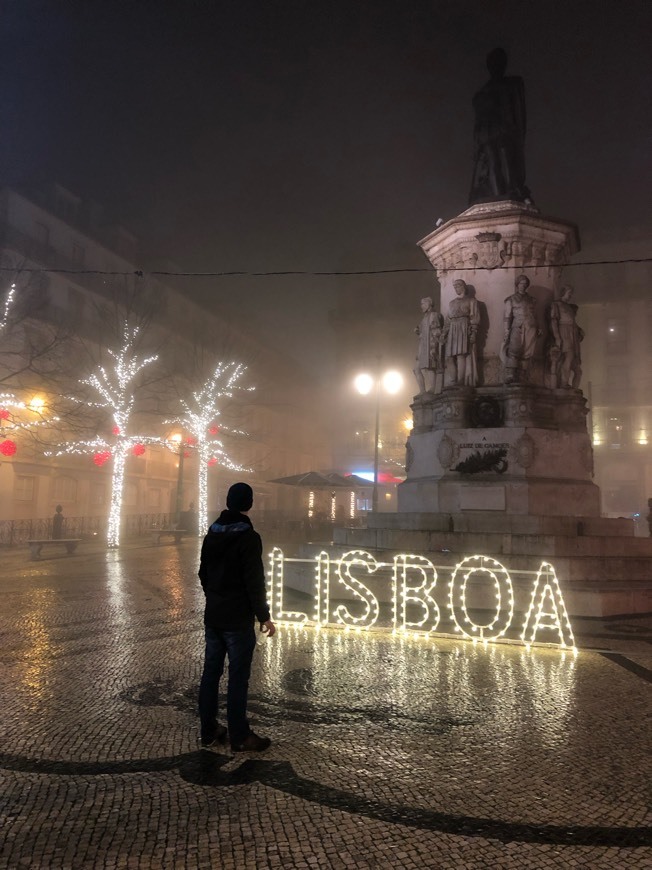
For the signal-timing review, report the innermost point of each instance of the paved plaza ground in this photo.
(388, 752)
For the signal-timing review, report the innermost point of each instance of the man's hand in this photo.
(268, 627)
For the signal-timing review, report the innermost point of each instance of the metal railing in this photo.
(15, 532)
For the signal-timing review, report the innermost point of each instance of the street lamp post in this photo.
(391, 382)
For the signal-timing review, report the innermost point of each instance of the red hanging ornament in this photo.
(116, 430)
(214, 430)
(4, 414)
(212, 461)
(101, 457)
(186, 454)
(191, 441)
(8, 448)
(138, 449)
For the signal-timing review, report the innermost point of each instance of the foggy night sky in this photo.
(298, 135)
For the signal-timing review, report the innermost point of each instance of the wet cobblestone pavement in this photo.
(388, 752)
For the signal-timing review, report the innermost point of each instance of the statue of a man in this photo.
(521, 331)
(458, 336)
(567, 336)
(499, 136)
(429, 356)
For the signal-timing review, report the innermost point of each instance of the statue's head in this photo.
(497, 63)
(522, 283)
(426, 304)
(566, 292)
(460, 287)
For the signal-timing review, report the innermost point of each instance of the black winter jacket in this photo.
(232, 574)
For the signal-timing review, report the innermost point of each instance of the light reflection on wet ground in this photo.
(442, 752)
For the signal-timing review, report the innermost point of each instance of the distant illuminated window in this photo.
(24, 488)
(65, 489)
(617, 430)
(617, 337)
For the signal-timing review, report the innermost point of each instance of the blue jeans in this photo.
(239, 646)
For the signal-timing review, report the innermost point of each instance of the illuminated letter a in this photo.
(546, 591)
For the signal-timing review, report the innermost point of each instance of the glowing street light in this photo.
(389, 382)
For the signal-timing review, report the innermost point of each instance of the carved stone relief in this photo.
(448, 452)
(524, 451)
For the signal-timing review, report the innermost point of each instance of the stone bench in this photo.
(177, 534)
(35, 546)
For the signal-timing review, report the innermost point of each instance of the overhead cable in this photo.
(157, 273)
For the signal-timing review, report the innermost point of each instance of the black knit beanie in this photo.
(240, 497)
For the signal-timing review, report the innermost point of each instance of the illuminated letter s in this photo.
(370, 614)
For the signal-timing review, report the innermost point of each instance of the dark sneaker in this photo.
(252, 743)
(218, 740)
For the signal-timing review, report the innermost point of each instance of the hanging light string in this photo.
(157, 273)
(198, 417)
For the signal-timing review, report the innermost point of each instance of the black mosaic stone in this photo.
(387, 751)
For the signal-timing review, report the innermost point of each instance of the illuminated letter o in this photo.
(504, 598)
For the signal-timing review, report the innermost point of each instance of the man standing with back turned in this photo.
(233, 578)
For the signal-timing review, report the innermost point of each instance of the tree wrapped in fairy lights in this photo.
(14, 418)
(15, 415)
(115, 389)
(9, 301)
(199, 417)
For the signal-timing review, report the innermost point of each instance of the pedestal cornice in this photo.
(501, 235)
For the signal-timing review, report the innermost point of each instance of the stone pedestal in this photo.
(517, 450)
(521, 448)
(488, 246)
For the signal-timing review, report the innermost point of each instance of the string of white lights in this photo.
(322, 589)
(9, 301)
(546, 588)
(15, 417)
(276, 582)
(416, 593)
(421, 591)
(371, 610)
(113, 388)
(473, 566)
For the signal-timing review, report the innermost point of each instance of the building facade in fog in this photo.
(373, 325)
(616, 314)
(47, 243)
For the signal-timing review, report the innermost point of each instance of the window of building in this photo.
(65, 489)
(24, 487)
(618, 430)
(42, 234)
(76, 303)
(617, 339)
(78, 253)
(618, 383)
(131, 495)
(153, 497)
(98, 494)
(39, 290)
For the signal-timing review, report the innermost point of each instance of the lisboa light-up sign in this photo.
(416, 582)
